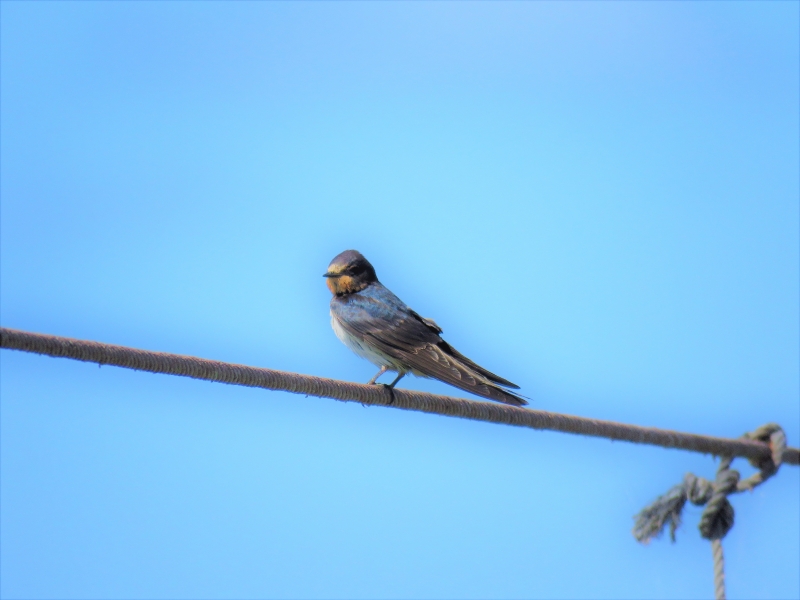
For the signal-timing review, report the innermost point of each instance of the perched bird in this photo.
(378, 326)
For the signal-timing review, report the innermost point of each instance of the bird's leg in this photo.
(394, 383)
(381, 372)
(390, 386)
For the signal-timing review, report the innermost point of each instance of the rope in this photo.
(765, 447)
(719, 569)
(717, 518)
(754, 449)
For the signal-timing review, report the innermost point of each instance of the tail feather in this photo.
(498, 394)
(440, 362)
(476, 367)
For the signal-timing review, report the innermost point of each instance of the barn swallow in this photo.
(378, 326)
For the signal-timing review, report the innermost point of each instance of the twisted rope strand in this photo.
(719, 569)
(211, 370)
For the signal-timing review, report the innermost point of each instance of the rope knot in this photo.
(717, 518)
(773, 435)
(698, 489)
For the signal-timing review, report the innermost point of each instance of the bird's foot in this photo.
(389, 387)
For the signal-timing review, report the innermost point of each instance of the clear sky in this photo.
(597, 201)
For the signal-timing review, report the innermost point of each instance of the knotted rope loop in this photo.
(718, 515)
(717, 518)
(698, 489)
(667, 509)
(774, 436)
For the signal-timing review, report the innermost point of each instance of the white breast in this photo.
(361, 349)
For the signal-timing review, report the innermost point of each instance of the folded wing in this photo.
(415, 342)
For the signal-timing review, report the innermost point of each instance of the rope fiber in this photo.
(719, 569)
(753, 449)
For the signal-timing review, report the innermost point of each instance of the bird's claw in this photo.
(391, 392)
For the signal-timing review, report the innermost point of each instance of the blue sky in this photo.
(597, 201)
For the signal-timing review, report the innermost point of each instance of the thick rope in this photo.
(717, 518)
(211, 370)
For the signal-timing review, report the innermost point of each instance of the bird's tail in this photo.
(443, 362)
(498, 394)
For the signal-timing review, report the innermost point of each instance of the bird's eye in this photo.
(355, 269)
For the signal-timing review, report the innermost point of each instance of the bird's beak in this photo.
(329, 275)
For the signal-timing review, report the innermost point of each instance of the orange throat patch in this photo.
(344, 284)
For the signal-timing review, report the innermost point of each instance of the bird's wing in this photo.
(431, 324)
(488, 374)
(402, 335)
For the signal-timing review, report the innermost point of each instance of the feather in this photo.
(377, 319)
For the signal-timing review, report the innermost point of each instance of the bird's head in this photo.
(348, 273)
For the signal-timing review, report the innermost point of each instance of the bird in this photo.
(375, 324)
